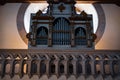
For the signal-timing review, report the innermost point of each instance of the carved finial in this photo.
(61, 7)
(83, 13)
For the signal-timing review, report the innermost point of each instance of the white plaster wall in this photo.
(111, 37)
(10, 39)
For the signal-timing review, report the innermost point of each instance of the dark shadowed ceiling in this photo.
(117, 2)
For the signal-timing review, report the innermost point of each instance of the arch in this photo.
(115, 57)
(74, 58)
(27, 56)
(80, 36)
(17, 57)
(47, 56)
(97, 58)
(107, 57)
(16, 68)
(61, 31)
(9, 56)
(42, 36)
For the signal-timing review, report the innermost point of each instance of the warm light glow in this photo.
(34, 7)
(25, 68)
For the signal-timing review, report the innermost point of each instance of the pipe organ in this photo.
(60, 26)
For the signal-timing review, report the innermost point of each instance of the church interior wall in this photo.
(10, 39)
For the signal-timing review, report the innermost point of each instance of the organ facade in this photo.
(61, 26)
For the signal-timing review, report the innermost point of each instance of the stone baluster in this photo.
(21, 68)
(102, 67)
(29, 68)
(12, 68)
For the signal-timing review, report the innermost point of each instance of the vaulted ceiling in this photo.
(117, 2)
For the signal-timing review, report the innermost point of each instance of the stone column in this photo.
(74, 67)
(47, 67)
(83, 66)
(29, 68)
(12, 68)
(111, 67)
(21, 69)
(38, 67)
(56, 68)
(65, 67)
(3, 68)
(93, 66)
(102, 67)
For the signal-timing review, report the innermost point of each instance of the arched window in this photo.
(17, 66)
(25, 68)
(61, 32)
(33, 67)
(42, 67)
(80, 36)
(7, 68)
(61, 69)
(42, 36)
